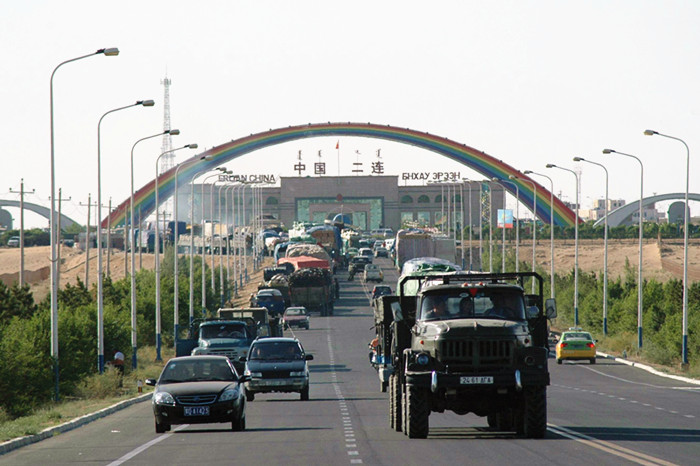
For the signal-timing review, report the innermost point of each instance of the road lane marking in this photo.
(145, 446)
(608, 447)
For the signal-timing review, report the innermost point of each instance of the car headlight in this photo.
(163, 398)
(423, 359)
(297, 373)
(228, 395)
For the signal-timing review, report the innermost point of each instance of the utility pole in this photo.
(87, 242)
(21, 230)
(58, 240)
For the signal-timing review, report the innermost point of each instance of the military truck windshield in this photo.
(223, 331)
(478, 303)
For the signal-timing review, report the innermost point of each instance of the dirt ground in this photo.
(660, 261)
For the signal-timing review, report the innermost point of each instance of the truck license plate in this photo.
(196, 410)
(475, 380)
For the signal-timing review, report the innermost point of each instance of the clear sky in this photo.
(528, 82)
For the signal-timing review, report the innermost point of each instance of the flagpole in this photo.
(337, 146)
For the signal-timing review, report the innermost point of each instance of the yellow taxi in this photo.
(575, 344)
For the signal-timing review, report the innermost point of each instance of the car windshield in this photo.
(223, 331)
(295, 312)
(196, 369)
(278, 351)
(469, 304)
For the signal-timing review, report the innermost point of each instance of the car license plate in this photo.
(196, 410)
(475, 380)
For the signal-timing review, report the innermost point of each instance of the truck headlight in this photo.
(229, 394)
(163, 398)
(423, 359)
(253, 374)
(297, 374)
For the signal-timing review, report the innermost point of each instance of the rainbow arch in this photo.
(490, 167)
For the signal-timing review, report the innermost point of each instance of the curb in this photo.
(19, 442)
(649, 369)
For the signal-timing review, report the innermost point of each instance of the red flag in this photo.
(337, 145)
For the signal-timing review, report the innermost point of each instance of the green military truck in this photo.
(468, 343)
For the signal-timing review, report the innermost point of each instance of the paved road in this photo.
(601, 414)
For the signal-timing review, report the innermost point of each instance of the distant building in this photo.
(371, 202)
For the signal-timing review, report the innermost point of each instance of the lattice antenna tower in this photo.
(167, 161)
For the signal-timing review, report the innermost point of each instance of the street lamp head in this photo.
(206, 157)
(513, 177)
(221, 169)
(192, 146)
(146, 103)
(110, 52)
(495, 179)
(172, 132)
(608, 151)
(550, 165)
(579, 159)
(527, 172)
(650, 132)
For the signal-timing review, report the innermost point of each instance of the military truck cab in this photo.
(471, 343)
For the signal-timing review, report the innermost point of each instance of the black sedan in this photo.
(199, 390)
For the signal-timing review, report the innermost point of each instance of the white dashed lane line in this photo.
(646, 405)
(348, 431)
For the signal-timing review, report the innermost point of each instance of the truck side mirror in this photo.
(242, 359)
(151, 382)
(309, 357)
(550, 306)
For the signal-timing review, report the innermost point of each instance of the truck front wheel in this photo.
(535, 412)
(418, 411)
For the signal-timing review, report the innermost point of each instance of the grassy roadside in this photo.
(101, 391)
(624, 346)
(97, 392)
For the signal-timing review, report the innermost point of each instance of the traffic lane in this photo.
(635, 386)
(98, 442)
(632, 408)
(452, 439)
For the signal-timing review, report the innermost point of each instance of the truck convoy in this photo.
(314, 289)
(466, 342)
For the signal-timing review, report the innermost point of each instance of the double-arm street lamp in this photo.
(650, 132)
(110, 52)
(550, 165)
(517, 222)
(498, 181)
(605, 245)
(132, 242)
(640, 283)
(156, 249)
(100, 293)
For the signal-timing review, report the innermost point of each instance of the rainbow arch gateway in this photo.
(486, 165)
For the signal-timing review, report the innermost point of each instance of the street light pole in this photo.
(517, 222)
(100, 292)
(640, 291)
(113, 51)
(132, 242)
(551, 228)
(605, 245)
(534, 222)
(503, 240)
(650, 132)
(176, 272)
(549, 165)
(191, 252)
(156, 249)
